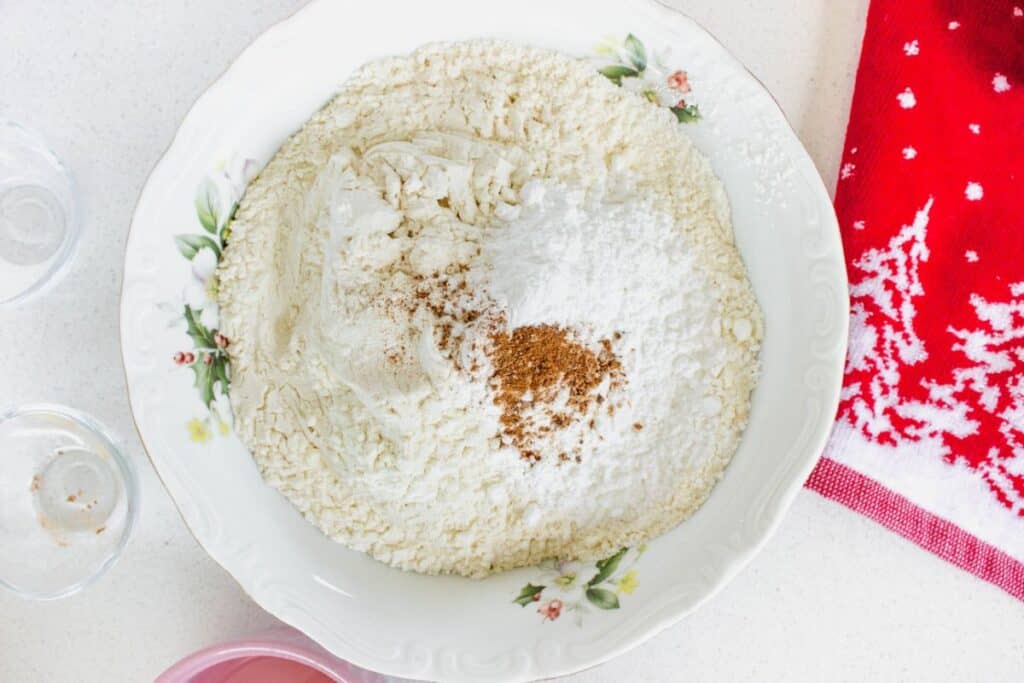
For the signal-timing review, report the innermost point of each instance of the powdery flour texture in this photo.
(486, 310)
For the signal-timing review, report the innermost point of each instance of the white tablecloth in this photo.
(832, 597)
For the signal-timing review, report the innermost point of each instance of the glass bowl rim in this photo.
(129, 479)
(73, 226)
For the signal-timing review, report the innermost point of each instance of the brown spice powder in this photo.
(453, 303)
(532, 364)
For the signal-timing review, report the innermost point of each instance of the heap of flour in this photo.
(485, 310)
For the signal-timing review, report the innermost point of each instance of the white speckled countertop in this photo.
(832, 597)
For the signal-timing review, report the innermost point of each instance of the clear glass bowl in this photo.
(38, 214)
(68, 501)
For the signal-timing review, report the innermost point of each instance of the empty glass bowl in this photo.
(38, 215)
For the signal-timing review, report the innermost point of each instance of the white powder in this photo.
(615, 270)
(485, 176)
(595, 264)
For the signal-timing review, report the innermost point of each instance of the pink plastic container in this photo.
(280, 655)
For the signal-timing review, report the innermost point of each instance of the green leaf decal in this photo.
(204, 380)
(686, 114)
(231, 217)
(636, 52)
(528, 594)
(607, 567)
(201, 337)
(616, 72)
(219, 369)
(603, 598)
(207, 200)
(189, 245)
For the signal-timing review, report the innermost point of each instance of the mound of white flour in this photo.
(444, 199)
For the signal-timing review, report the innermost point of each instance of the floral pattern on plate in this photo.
(562, 587)
(630, 66)
(215, 203)
(377, 626)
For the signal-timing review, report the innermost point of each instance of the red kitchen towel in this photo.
(929, 439)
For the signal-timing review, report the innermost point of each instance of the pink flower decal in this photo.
(551, 610)
(628, 64)
(678, 80)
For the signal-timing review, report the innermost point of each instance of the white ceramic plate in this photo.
(452, 628)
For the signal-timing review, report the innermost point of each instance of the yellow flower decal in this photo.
(566, 579)
(609, 46)
(198, 431)
(212, 288)
(612, 577)
(628, 583)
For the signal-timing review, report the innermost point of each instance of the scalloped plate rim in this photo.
(666, 614)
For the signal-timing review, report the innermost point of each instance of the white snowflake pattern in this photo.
(953, 25)
(1000, 83)
(907, 99)
(974, 191)
(890, 282)
(974, 128)
(847, 170)
(858, 225)
(853, 150)
(1017, 11)
(992, 350)
(882, 346)
(911, 49)
(981, 398)
(909, 153)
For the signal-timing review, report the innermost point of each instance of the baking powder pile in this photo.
(486, 310)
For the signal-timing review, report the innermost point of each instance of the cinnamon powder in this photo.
(533, 365)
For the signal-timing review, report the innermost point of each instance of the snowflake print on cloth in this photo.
(932, 406)
(993, 379)
(985, 391)
(907, 99)
(882, 336)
